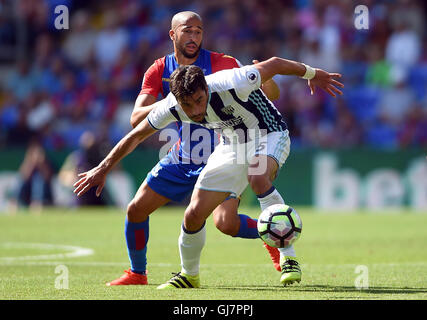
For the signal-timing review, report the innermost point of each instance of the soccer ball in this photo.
(279, 225)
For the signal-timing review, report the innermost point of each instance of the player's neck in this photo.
(182, 60)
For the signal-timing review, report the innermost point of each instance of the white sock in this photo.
(267, 199)
(288, 251)
(190, 248)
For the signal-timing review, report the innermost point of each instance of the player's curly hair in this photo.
(186, 80)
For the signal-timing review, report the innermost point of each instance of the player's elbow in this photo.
(138, 115)
(274, 61)
(133, 120)
(277, 64)
(140, 112)
(268, 69)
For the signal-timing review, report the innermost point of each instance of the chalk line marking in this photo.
(216, 265)
(71, 251)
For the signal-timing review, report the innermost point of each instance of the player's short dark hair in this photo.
(186, 80)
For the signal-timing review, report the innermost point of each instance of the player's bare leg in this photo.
(202, 204)
(261, 184)
(145, 202)
(193, 236)
(261, 173)
(229, 221)
(226, 218)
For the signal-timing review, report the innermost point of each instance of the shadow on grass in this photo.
(331, 289)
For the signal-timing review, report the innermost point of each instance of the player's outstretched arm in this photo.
(97, 176)
(144, 103)
(316, 77)
(270, 87)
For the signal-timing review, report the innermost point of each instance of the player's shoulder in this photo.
(219, 57)
(152, 80)
(164, 106)
(243, 80)
(221, 61)
(158, 65)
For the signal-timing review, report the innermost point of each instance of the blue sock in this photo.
(248, 228)
(136, 240)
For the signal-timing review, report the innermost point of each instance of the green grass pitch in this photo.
(87, 247)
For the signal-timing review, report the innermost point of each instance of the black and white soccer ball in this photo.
(279, 225)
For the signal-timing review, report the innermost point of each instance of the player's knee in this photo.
(192, 220)
(131, 210)
(135, 213)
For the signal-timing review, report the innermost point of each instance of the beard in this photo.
(201, 118)
(186, 54)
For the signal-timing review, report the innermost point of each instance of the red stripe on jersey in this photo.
(152, 82)
(177, 144)
(220, 61)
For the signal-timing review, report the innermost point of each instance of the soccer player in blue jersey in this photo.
(173, 178)
(231, 102)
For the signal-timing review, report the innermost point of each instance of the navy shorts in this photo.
(174, 181)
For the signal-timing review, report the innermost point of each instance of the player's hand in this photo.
(327, 82)
(89, 179)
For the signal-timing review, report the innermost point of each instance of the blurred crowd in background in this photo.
(57, 84)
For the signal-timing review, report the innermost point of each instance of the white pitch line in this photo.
(224, 265)
(55, 263)
(74, 251)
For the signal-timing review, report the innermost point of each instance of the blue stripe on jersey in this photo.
(268, 116)
(185, 148)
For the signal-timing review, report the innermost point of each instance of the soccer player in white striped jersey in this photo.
(255, 144)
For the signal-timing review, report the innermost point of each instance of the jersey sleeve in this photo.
(243, 80)
(239, 64)
(162, 115)
(220, 61)
(152, 81)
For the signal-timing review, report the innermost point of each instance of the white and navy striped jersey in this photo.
(235, 106)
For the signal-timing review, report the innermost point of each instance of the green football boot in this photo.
(291, 271)
(181, 281)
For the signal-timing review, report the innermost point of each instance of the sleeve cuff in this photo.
(149, 122)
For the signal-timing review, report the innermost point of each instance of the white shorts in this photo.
(228, 166)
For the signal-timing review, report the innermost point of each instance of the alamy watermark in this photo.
(361, 19)
(248, 146)
(62, 17)
(61, 281)
(362, 280)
